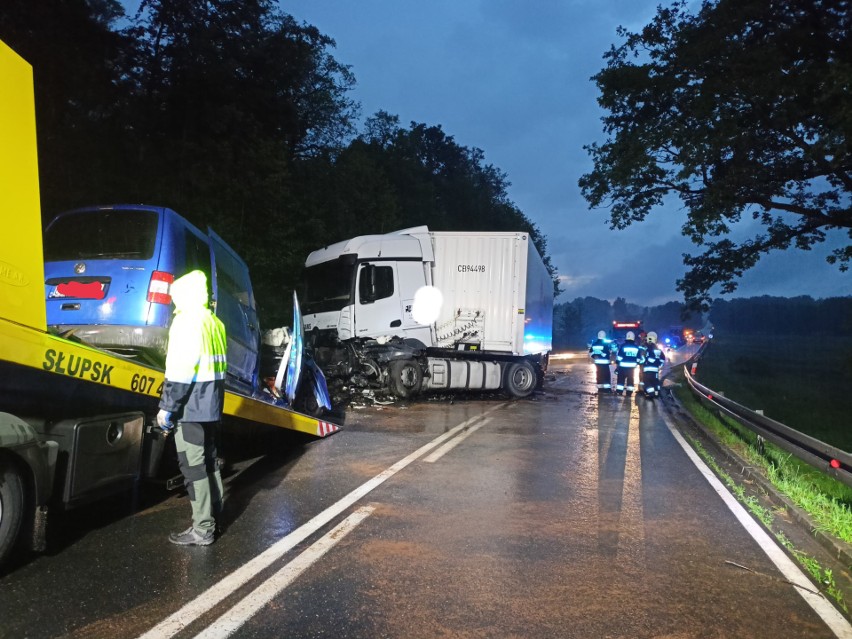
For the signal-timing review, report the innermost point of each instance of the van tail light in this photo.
(158, 289)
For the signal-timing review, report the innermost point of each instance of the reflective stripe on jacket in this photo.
(628, 355)
(196, 361)
(654, 359)
(600, 351)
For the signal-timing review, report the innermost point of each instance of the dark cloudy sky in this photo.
(512, 78)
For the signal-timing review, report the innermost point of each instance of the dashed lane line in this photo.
(236, 617)
(176, 622)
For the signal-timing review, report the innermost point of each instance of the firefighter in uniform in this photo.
(643, 348)
(601, 352)
(654, 359)
(193, 396)
(627, 358)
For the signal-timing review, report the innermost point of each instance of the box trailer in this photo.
(416, 310)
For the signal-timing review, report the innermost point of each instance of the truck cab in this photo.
(364, 287)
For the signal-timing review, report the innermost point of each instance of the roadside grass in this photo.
(823, 576)
(826, 500)
(805, 383)
(812, 394)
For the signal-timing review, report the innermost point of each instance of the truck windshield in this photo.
(328, 286)
(101, 235)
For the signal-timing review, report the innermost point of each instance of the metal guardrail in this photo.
(832, 461)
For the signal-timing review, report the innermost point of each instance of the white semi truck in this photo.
(416, 310)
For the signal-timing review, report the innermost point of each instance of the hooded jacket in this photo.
(196, 363)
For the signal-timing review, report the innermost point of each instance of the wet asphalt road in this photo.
(569, 515)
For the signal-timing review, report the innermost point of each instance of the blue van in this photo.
(107, 276)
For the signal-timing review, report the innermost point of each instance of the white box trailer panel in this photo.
(487, 280)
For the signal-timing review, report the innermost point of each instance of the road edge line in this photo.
(836, 622)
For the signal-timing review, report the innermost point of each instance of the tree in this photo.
(237, 116)
(784, 316)
(231, 98)
(739, 109)
(391, 178)
(79, 92)
(659, 318)
(230, 93)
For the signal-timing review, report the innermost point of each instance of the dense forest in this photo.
(238, 117)
(576, 323)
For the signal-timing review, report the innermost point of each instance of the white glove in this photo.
(164, 420)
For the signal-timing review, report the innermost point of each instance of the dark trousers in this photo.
(603, 376)
(652, 383)
(624, 378)
(196, 450)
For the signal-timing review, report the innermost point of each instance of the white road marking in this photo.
(631, 542)
(455, 441)
(792, 573)
(191, 611)
(231, 621)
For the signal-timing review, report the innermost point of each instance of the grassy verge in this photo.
(823, 576)
(826, 500)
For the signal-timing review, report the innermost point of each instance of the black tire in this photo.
(406, 377)
(11, 508)
(520, 379)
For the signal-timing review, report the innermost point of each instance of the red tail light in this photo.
(158, 289)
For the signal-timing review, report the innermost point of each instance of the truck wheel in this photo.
(520, 379)
(406, 377)
(11, 508)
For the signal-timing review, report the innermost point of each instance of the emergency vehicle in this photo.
(621, 328)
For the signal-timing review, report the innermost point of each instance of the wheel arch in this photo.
(21, 445)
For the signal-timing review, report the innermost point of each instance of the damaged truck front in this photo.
(418, 311)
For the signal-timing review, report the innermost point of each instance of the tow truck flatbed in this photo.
(76, 422)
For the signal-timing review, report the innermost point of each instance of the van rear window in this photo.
(101, 235)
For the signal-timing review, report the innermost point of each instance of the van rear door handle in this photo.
(396, 323)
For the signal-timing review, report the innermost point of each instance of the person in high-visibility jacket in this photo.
(601, 351)
(192, 398)
(627, 358)
(654, 360)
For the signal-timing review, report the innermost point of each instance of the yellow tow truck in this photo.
(76, 423)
